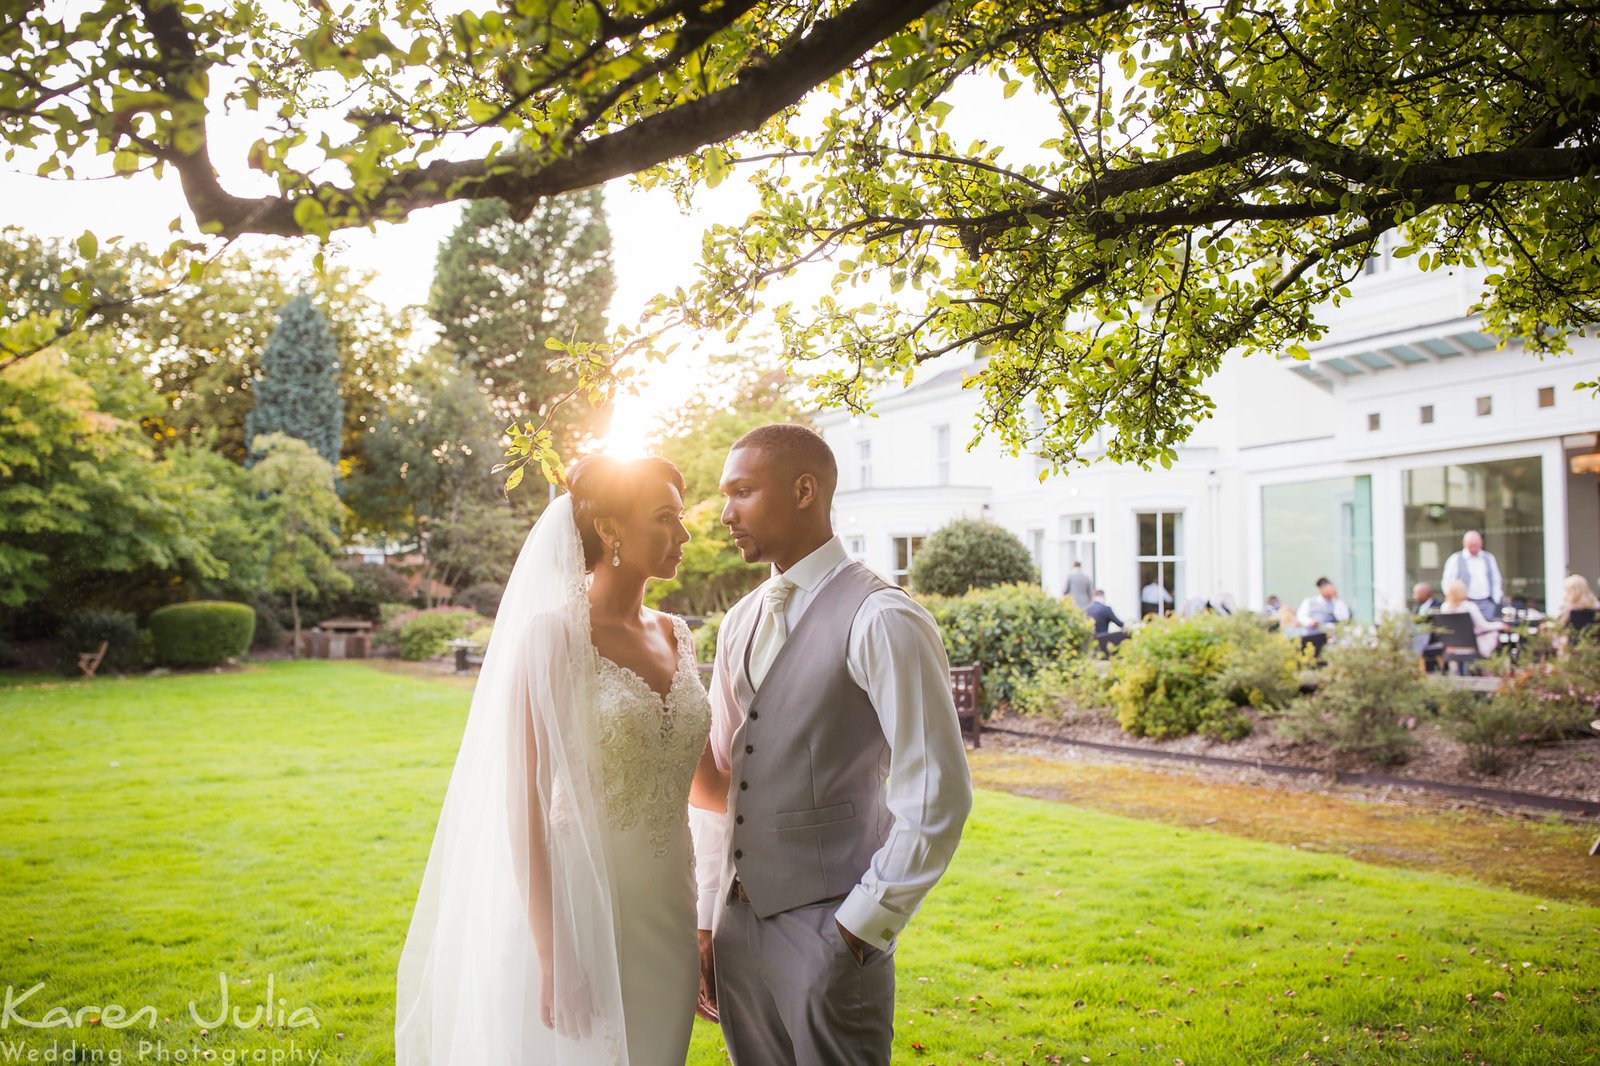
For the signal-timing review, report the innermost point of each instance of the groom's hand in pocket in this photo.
(706, 1004)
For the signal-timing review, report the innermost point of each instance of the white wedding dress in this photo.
(571, 754)
(649, 747)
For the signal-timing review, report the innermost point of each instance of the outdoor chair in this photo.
(89, 661)
(966, 689)
(1457, 639)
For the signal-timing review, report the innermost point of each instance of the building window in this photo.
(1374, 420)
(1313, 529)
(1485, 406)
(855, 546)
(941, 455)
(1160, 561)
(1078, 543)
(1036, 548)
(905, 550)
(1425, 414)
(1547, 396)
(864, 464)
(1502, 500)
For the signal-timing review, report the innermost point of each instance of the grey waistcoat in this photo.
(806, 803)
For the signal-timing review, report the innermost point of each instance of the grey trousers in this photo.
(790, 993)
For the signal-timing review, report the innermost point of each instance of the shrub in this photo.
(484, 597)
(969, 554)
(1261, 668)
(1081, 683)
(202, 633)
(1367, 692)
(705, 638)
(1165, 679)
(1557, 689)
(1013, 631)
(84, 631)
(371, 586)
(1491, 729)
(425, 634)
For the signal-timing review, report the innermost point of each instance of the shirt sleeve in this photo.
(1341, 611)
(708, 828)
(1303, 615)
(898, 658)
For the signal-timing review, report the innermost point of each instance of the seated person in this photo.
(1323, 609)
(1423, 601)
(1100, 612)
(1456, 602)
(1576, 595)
(1273, 606)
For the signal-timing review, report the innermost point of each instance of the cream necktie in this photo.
(770, 631)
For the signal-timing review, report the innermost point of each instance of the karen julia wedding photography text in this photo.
(24, 1011)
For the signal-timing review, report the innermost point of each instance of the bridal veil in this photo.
(519, 848)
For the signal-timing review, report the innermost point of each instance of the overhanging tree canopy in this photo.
(1213, 173)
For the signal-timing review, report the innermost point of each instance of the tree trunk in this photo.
(294, 612)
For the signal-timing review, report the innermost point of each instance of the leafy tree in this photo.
(503, 287)
(88, 516)
(970, 554)
(434, 457)
(1209, 179)
(302, 520)
(298, 392)
(739, 394)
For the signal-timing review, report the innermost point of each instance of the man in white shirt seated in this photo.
(1322, 610)
(1479, 571)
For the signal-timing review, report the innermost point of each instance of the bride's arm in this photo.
(539, 895)
(709, 789)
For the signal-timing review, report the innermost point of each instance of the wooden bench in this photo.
(89, 661)
(966, 689)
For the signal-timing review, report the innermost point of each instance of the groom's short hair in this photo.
(796, 447)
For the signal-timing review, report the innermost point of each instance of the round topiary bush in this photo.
(84, 631)
(970, 554)
(202, 633)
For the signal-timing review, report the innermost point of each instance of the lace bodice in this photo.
(650, 746)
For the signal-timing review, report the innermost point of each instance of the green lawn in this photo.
(160, 832)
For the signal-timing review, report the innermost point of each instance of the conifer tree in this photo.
(298, 392)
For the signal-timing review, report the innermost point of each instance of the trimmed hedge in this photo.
(202, 633)
(85, 630)
(1012, 631)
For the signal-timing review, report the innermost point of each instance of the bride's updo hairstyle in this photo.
(603, 487)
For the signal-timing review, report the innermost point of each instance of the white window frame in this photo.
(1164, 558)
(913, 542)
(864, 463)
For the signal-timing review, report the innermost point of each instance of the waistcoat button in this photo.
(743, 785)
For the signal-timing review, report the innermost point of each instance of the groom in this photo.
(831, 711)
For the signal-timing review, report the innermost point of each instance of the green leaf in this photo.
(88, 245)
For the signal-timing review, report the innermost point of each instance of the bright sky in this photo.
(655, 244)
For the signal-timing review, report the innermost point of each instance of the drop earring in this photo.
(616, 553)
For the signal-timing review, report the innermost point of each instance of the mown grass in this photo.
(275, 823)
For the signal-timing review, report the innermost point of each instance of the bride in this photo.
(555, 923)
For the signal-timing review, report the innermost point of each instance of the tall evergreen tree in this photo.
(501, 288)
(298, 393)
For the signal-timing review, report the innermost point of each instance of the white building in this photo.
(1365, 464)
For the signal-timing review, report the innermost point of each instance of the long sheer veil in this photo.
(519, 847)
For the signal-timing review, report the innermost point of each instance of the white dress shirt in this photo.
(896, 656)
(1322, 611)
